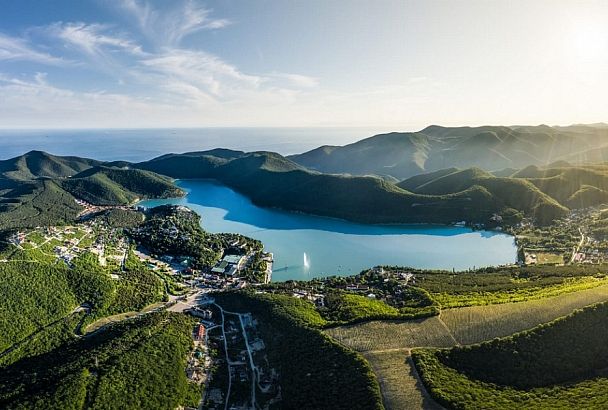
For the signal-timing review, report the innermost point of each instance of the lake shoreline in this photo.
(395, 224)
(335, 246)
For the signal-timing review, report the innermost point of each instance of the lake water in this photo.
(336, 247)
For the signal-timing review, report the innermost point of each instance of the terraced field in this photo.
(398, 381)
(384, 335)
(386, 344)
(476, 324)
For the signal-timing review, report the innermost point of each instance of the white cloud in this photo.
(298, 80)
(12, 48)
(141, 11)
(36, 103)
(163, 84)
(168, 28)
(93, 39)
(202, 70)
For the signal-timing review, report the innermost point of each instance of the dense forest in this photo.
(122, 218)
(118, 186)
(34, 295)
(37, 203)
(136, 364)
(40, 189)
(39, 293)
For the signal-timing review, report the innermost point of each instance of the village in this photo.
(387, 284)
(229, 358)
(112, 246)
(68, 242)
(579, 237)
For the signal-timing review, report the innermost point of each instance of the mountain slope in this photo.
(573, 186)
(36, 203)
(111, 186)
(401, 155)
(272, 180)
(37, 164)
(561, 364)
(38, 188)
(518, 194)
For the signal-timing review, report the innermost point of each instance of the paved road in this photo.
(575, 251)
(192, 300)
(227, 358)
(254, 369)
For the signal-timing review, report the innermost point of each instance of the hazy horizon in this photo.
(381, 128)
(399, 65)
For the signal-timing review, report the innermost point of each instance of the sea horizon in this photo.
(111, 144)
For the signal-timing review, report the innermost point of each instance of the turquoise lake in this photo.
(336, 247)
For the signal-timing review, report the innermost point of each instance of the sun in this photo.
(588, 40)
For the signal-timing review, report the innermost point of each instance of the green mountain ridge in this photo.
(564, 186)
(37, 184)
(38, 164)
(275, 181)
(405, 154)
(38, 188)
(442, 196)
(110, 186)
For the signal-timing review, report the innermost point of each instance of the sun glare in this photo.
(589, 40)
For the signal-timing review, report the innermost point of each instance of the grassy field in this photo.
(475, 324)
(570, 285)
(464, 325)
(551, 258)
(398, 381)
(386, 344)
(390, 335)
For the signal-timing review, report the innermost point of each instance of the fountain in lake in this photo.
(306, 261)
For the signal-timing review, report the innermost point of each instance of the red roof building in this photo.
(200, 332)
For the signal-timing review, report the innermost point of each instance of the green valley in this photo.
(98, 286)
(303, 205)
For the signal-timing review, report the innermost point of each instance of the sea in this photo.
(144, 144)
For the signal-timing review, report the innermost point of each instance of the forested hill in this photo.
(568, 185)
(558, 365)
(107, 186)
(39, 189)
(38, 164)
(272, 180)
(404, 154)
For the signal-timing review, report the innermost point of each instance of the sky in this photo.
(293, 63)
